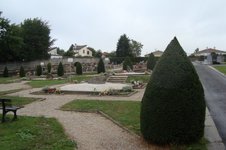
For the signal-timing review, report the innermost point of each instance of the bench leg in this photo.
(15, 116)
(3, 117)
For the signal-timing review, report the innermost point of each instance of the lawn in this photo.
(36, 133)
(127, 113)
(7, 80)
(143, 78)
(43, 83)
(20, 101)
(221, 69)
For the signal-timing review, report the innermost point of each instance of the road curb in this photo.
(211, 67)
(211, 134)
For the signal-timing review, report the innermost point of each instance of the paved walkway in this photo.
(89, 130)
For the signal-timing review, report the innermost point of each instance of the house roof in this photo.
(78, 47)
(156, 53)
(52, 48)
(210, 50)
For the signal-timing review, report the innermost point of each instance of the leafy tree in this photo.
(112, 54)
(173, 105)
(100, 66)
(78, 68)
(22, 72)
(39, 70)
(196, 50)
(60, 51)
(136, 48)
(123, 47)
(98, 54)
(49, 67)
(5, 72)
(60, 69)
(37, 40)
(151, 62)
(127, 64)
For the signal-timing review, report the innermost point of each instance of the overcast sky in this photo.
(154, 23)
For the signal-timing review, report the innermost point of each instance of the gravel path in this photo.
(91, 131)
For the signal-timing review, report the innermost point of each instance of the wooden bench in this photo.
(7, 107)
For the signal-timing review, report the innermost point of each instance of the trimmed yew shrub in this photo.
(5, 72)
(151, 62)
(127, 64)
(39, 70)
(173, 106)
(100, 66)
(60, 69)
(78, 68)
(22, 72)
(49, 67)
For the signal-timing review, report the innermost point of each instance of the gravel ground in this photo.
(14, 86)
(91, 131)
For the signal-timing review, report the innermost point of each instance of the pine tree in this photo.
(60, 69)
(22, 72)
(100, 66)
(123, 47)
(151, 62)
(173, 105)
(5, 72)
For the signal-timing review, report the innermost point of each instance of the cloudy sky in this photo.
(154, 23)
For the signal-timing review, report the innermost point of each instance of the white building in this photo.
(53, 53)
(208, 51)
(82, 50)
(156, 53)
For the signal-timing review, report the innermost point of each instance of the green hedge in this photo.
(173, 105)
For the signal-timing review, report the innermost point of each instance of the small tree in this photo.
(127, 64)
(151, 62)
(49, 66)
(22, 72)
(173, 105)
(5, 72)
(78, 68)
(60, 69)
(100, 66)
(39, 70)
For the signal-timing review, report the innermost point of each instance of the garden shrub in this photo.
(5, 72)
(100, 66)
(127, 64)
(39, 70)
(173, 105)
(151, 62)
(60, 69)
(22, 72)
(49, 67)
(78, 68)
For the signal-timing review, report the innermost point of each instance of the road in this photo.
(214, 85)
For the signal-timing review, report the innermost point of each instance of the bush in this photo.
(5, 72)
(60, 69)
(49, 67)
(151, 62)
(173, 106)
(22, 72)
(39, 70)
(78, 68)
(127, 64)
(100, 66)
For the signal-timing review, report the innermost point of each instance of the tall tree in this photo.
(100, 66)
(123, 47)
(37, 40)
(136, 48)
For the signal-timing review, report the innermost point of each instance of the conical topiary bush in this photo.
(22, 72)
(151, 62)
(173, 106)
(60, 69)
(127, 64)
(100, 66)
(78, 68)
(5, 72)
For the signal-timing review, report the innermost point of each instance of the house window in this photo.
(83, 51)
(87, 52)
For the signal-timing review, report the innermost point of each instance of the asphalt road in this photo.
(215, 94)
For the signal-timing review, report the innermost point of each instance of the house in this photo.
(53, 53)
(208, 51)
(156, 53)
(82, 50)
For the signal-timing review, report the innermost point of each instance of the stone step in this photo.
(117, 79)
